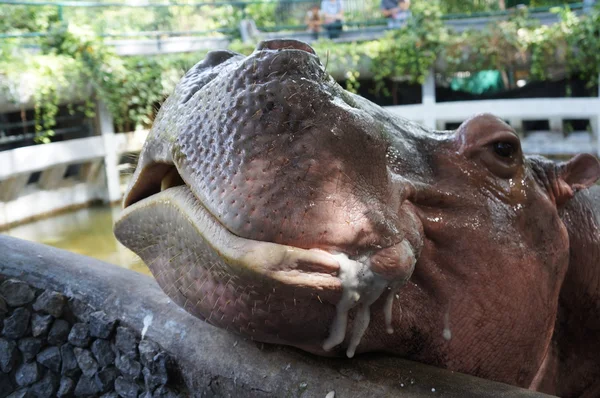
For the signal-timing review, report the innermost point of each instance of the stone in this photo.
(101, 325)
(145, 394)
(29, 347)
(148, 350)
(110, 395)
(105, 379)
(79, 335)
(40, 324)
(159, 365)
(130, 368)
(65, 387)
(6, 385)
(16, 325)
(151, 381)
(125, 388)
(46, 387)
(16, 293)
(86, 387)
(165, 392)
(126, 341)
(8, 355)
(22, 393)
(50, 358)
(3, 306)
(27, 374)
(50, 302)
(59, 332)
(86, 361)
(103, 352)
(69, 361)
(80, 309)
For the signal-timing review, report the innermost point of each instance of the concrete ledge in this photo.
(214, 362)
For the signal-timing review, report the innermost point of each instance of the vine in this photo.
(74, 60)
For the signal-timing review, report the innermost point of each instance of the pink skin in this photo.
(288, 157)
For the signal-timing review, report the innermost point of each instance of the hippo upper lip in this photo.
(286, 261)
(280, 262)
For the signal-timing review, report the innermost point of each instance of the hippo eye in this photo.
(504, 149)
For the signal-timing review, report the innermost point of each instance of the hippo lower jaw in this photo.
(224, 273)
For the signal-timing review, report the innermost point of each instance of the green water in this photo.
(87, 231)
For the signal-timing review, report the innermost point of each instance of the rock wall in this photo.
(55, 346)
(72, 325)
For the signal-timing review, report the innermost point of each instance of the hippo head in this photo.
(273, 203)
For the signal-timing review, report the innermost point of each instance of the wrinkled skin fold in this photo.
(271, 202)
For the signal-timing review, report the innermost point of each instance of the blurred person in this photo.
(396, 11)
(314, 20)
(333, 16)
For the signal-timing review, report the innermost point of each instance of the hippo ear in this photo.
(580, 172)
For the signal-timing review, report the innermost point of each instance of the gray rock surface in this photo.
(125, 388)
(16, 293)
(86, 361)
(6, 385)
(27, 374)
(29, 347)
(131, 369)
(69, 361)
(80, 335)
(40, 324)
(8, 355)
(105, 379)
(126, 342)
(47, 387)
(50, 302)
(103, 352)
(86, 386)
(101, 325)
(59, 332)
(50, 358)
(16, 325)
(65, 387)
(3, 306)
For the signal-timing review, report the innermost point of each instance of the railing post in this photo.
(111, 160)
(428, 100)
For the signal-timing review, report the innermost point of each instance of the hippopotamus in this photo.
(271, 202)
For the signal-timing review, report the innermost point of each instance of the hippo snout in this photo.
(281, 160)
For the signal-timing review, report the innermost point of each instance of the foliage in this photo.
(476, 6)
(23, 19)
(75, 60)
(411, 51)
(42, 80)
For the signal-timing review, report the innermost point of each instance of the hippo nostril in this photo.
(279, 44)
(216, 57)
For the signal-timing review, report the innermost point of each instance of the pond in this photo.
(86, 231)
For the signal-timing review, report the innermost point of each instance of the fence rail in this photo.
(286, 15)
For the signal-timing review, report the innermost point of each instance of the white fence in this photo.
(98, 177)
(435, 115)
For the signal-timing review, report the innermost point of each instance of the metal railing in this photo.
(218, 18)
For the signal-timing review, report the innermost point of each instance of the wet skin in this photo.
(271, 202)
